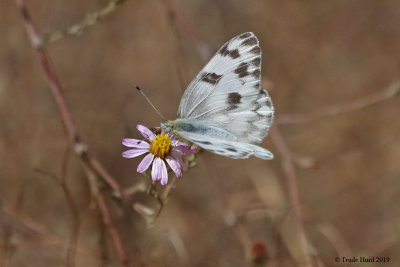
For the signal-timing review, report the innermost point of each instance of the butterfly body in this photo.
(182, 125)
(224, 110)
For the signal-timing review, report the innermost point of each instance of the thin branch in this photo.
(79, 147)
(149, 214)
(289, 171)
(8, 245)
(168, 188)
(77, 29)
(181, 68)
(39, 228)
(179, 247)
(91, 176)
(205, 49)
(50, 75)
(230, 216)
(290, 174)
(107, 177)
(75, 220)
(377, 97)
(72, 207)
(73, 239)
(337, 240)
(112, 230)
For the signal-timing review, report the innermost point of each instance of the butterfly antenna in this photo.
(148, 100)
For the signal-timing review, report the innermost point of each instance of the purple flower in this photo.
(163, 148)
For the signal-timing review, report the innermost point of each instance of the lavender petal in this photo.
(145, 163)
(149, 135)
(156, 169)
(175, 166)
(164, 174)
(135, 143)
(178, 156)
(186, 149)
(131, 153)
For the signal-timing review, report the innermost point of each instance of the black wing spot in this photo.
(269, 103)
(211, 78)
(256, 62)
(256, 74)
(214, 76)
(250, 41)
(224, 51)
(204, 142)
(231, 149)
(244, 35)
(233, 98)
(256, 50)
(234, 54)
(241, 70)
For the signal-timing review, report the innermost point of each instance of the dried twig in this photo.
(357, 104)
(203, 46)
(79, 147)
(77, 29)
(72, 207)
(39, 228)
(181, 69)
(290, 174)
(74, 227)
(179, 246)
(289, 171)
(112, 229)
(335, 238)
(149, 214)
(75, 220)
(229, 214)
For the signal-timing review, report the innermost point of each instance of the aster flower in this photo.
(163, 148)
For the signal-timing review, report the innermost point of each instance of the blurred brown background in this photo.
(315, 54)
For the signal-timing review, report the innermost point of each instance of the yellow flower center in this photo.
(161, 145)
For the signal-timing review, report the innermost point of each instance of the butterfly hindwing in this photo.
(227, 148)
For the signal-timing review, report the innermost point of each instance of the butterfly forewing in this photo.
(236, 64)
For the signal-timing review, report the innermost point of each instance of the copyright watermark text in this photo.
(362, 259)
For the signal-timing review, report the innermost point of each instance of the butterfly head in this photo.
(167, 126)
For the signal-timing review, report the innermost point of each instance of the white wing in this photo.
(227, 93)
(226, 103)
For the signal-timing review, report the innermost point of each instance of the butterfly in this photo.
(224, 109)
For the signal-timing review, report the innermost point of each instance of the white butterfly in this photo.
(224, 110)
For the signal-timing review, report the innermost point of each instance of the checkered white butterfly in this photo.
(224, 110)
